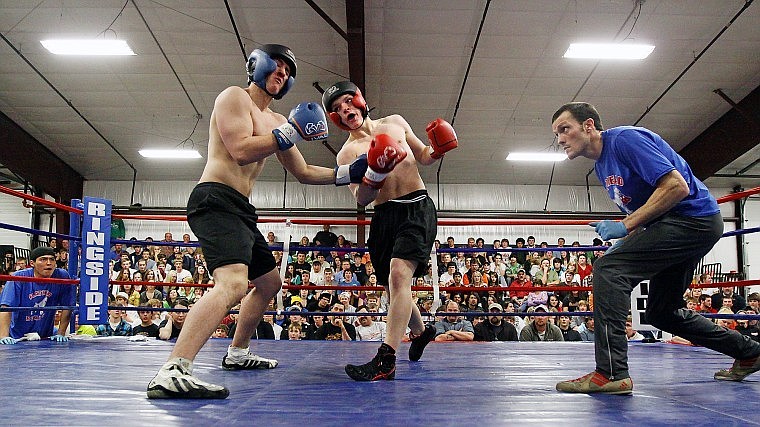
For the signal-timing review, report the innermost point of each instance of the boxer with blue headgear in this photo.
(262, 62)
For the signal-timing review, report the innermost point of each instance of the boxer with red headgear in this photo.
(405, 221)
(243, 132)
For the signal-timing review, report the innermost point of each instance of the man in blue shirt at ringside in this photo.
(672, 222)
(17, 324)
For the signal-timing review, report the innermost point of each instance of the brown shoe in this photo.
(739, 370)
(596, 383)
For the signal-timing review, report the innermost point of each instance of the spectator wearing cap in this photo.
(452, 327)
(295, 300)
(753, 302)
(305, 330)
(368, 329)
(539, 328)
(495, 328)
(14, 325)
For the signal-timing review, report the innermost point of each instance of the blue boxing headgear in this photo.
(261, 63)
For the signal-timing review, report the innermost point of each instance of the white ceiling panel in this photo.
(416, 56)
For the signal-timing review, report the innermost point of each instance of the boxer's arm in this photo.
(232, 113)
(293, 161)
(363, 194)
(420, 150)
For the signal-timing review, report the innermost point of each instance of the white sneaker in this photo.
(246, 361)
(175, 380)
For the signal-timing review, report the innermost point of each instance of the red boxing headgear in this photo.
(338, 89)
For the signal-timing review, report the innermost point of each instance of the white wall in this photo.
(477, 198)
(269, 195)
(14, 213)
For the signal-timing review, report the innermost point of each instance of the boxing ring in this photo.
(102, 380)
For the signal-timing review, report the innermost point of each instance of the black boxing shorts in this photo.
(225, 223)
(402, 228)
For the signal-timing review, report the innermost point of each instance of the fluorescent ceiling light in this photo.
(608, 51)
(88, 47)
(537, 157)
(170, 154)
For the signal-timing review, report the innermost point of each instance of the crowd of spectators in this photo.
(170, 274)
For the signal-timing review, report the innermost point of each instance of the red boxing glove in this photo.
(442, 137)
(383, 155)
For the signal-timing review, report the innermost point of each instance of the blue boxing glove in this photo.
(59, 338)
(306, 122)
(8, 341)
(353, 173)
(610, 229)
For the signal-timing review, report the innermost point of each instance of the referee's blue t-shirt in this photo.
(634, 158)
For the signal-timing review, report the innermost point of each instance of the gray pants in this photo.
(666, 253)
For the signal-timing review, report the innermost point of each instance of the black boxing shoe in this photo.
(419, 343)
(381, 367)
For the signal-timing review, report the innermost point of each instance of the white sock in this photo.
(237, 351)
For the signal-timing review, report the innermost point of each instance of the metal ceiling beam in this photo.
(25, 156)
(726, 140)
(355, 37)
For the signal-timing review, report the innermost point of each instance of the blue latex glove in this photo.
(608, 230)
(8, 341)
(59, 338)
(353, 173)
